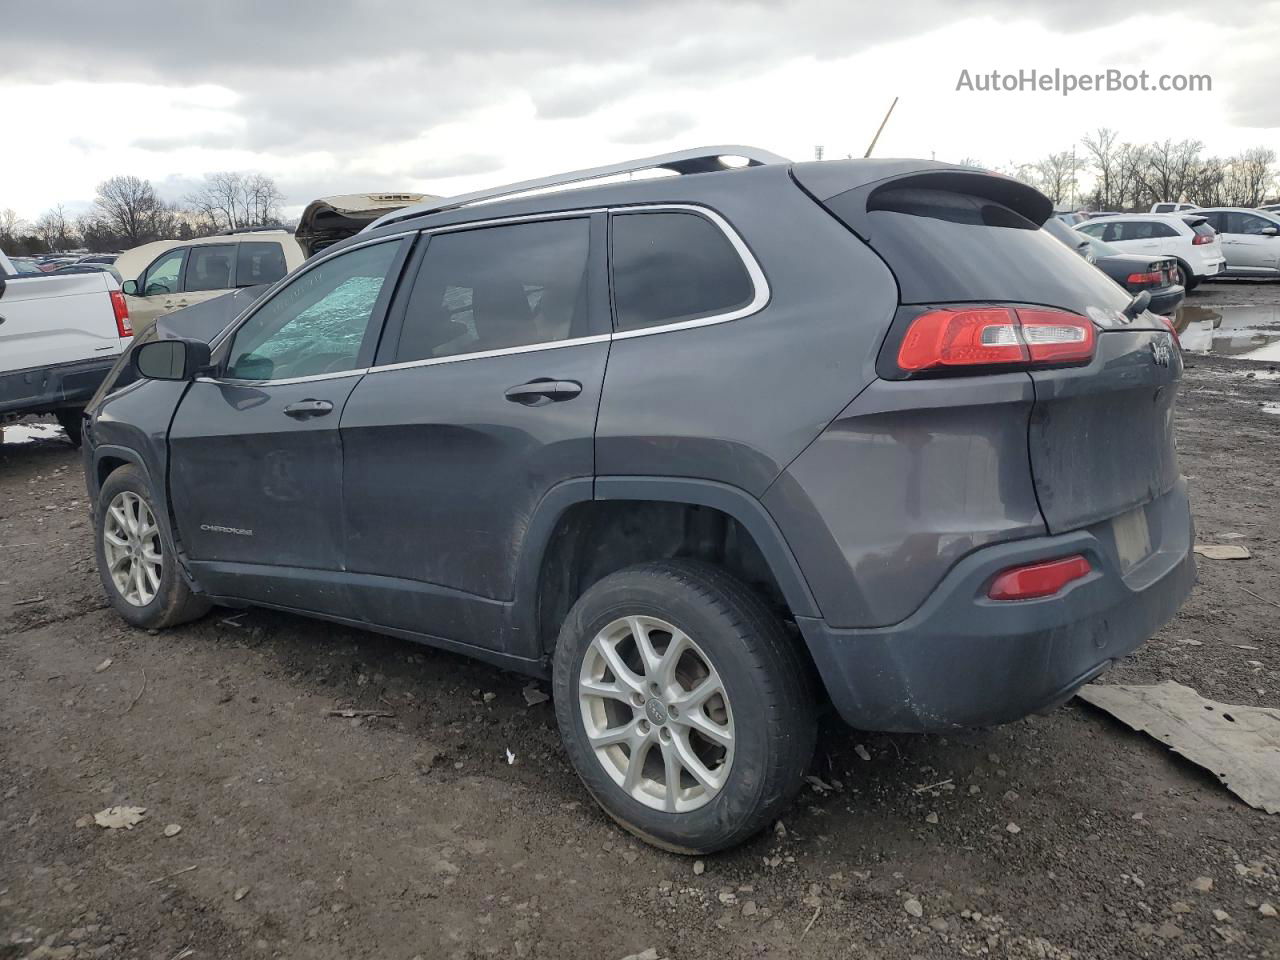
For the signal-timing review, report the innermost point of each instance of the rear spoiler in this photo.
(860, 180)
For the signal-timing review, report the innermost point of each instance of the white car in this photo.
(59, 337)
(1250, 240)
(1169, 206)
(1187, 237)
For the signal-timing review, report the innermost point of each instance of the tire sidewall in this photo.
(131, 479)
(740, 672)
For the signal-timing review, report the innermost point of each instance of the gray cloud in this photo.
(654, 127)
(340, 76)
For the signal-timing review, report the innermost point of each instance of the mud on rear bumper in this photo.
(962, 660)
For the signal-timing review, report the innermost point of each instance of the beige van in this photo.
(168, 275)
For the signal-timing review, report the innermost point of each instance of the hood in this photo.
(205, 320)
(326, 221)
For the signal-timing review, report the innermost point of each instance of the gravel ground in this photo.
(412, 835)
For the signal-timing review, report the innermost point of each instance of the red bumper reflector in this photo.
(1038, 579)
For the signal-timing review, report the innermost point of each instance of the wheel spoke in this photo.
(671, 762)
(707, 688)
(640, 748)
(697, 720)
(621, 672)
(114, 539)
(689, 760)
(610, 691)
(153, 577)
(612, 735)
(648, 655)
(122, 521)
(666, 669)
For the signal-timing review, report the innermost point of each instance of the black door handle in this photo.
(535, 393)
(308, 408)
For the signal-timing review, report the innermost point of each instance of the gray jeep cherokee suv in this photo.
(705, 450)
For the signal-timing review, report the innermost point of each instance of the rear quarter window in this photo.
(673, 266)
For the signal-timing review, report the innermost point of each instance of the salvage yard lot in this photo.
(452, 826)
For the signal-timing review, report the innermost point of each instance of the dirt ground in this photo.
(415, 835)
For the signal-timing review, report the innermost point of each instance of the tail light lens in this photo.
(948, 338)
(1200, 239)
(121, 309)
(1038, 579)
(1154, 277)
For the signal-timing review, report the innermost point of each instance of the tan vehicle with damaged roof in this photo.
(168, 275)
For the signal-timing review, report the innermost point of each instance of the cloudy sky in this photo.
(334, 96)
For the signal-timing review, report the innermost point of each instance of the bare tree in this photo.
(131, 210)
(55, 230)
(235, 201)
(1102, 149)
(1056, 176)
(12, 227)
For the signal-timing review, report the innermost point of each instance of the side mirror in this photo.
(170, 359)
(1138, 304)
(129, 287)
(1270, 231)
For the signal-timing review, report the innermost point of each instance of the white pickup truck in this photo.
(59, 336)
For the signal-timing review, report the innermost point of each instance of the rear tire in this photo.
(137, 560)
(1186, 278)
(71, 420)
(714, 768)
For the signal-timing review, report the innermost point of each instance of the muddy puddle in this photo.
(1246, 332)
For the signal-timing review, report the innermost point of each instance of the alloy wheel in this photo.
(656, 714)
(131, 545)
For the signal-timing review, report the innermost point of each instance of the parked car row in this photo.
(1157, 275)
(1224, 241)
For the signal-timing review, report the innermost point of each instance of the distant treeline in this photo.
(127, 212)
(1103, 172)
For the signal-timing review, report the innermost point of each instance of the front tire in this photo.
(71, 420)
(684, 707)
(137, 561)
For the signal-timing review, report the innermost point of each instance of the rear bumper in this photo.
(962, 660)
(1165, 302)
(44, 389)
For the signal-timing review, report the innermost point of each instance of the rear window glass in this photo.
(951, 247)
(259, 262)
(669, 267)
(1202, 229)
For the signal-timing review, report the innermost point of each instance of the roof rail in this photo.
(696, 160)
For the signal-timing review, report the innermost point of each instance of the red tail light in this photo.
(1156, 278)
(121, 309)
(950, 337)
(1202, 238)
(1038, 579)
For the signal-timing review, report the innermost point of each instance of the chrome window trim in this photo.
(486, 354)
(358, 372)
(759, 283)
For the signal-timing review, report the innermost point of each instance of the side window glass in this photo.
(162, 276)
(1247, 223)
(317, 323)
(209, 268)
(259, 262)
(674, 266)
(1163, 230)
(1115, 231)
(494, 288)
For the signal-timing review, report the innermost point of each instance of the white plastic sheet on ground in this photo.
(1238, 745)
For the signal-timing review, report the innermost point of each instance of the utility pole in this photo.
(880, 129)
(817, 152)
